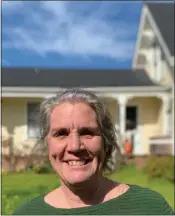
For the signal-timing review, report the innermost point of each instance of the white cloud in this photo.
(72, 28)
(11, 6)
(4, 62)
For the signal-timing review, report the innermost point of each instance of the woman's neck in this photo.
(91, 193)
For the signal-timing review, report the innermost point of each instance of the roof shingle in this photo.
(66, 78)
(163, 14)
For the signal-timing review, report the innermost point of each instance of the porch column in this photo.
(166, 115)
(122, 113)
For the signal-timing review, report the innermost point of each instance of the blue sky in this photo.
(79, 34)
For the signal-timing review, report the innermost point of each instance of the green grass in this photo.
(18, 188)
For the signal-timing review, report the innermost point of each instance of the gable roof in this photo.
(163, 14)
(66, 78)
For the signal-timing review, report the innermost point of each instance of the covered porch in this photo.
(142, 115)
(144, 119)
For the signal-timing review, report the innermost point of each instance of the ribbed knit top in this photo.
(136, 201)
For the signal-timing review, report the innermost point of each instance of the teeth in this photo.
(76, 163)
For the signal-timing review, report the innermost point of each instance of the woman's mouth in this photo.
(78, 162)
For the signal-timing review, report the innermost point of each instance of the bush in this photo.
(44, 168)
(160, 167)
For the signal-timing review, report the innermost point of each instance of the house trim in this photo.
(160, 141)
(95, 89)
(139, 36)
(106, 92)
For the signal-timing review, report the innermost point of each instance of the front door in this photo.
(132, 129)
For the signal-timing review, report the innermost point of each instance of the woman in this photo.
(81, 138)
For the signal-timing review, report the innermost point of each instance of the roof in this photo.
(67, 78)
(163, 14)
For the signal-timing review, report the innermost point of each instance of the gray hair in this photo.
(107, 129)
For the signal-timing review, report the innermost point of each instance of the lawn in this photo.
(20, 187)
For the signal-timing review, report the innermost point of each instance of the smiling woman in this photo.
(81, 138)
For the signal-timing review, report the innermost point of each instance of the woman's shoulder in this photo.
(150, 198)
(31, 207)
(146, 192)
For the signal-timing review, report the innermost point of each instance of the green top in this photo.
(136, 201)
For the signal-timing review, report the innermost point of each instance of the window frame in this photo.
(29, 119)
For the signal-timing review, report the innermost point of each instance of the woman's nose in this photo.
(74, 143)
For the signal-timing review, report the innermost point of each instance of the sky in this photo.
(69, 34)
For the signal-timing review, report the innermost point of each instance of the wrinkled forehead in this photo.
(73, 113)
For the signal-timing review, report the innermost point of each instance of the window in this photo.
(33, 120)
(157, 62)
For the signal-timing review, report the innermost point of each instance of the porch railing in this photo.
(161, 145)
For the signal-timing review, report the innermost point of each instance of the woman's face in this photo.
(74, 142)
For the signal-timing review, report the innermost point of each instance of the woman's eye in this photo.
(87, 133)
(61, 133)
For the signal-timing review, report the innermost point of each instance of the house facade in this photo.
(155, 53)
(140, 100)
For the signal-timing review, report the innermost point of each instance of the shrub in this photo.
(160, 167)
(44, 168)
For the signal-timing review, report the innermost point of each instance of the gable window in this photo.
(33, 129)
(158, 73)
